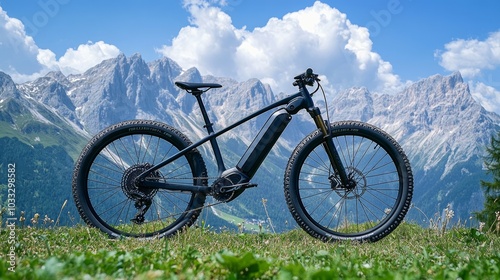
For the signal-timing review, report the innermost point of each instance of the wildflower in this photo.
(481, 226)
(449, 214)
(47, 220)
(34, 220)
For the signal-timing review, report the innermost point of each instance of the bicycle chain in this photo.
(235, 188)
(204, 178)
(198, 208)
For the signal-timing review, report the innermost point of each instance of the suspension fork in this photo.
(330, 149)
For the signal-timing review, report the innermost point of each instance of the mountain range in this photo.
(45, 123)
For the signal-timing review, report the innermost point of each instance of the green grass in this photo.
(410, 252)
(239, 222)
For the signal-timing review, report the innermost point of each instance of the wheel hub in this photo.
(355, 187)
(130, 187)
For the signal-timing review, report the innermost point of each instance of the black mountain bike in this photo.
(346, 180)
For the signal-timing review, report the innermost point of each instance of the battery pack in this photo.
(263, 143)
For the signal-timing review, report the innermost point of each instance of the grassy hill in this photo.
(410, 252)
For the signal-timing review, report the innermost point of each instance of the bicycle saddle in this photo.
(190, 87)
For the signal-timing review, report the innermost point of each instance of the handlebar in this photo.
(307, 78)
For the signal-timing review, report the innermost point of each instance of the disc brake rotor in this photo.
(359, 184)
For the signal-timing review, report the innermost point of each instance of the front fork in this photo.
(330, 149)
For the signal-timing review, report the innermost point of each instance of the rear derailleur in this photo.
(142, 205)
(142, 196)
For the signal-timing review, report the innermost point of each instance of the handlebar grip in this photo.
(308, 78)
(307, 74)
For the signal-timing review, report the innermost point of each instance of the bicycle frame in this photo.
(261, 144)
(145, 179)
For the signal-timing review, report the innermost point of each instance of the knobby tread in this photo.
(194, 154)
(305, 225)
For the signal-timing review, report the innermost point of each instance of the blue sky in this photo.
(382, 45)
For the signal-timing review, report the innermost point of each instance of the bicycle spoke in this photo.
(115, 201)
(343, 211)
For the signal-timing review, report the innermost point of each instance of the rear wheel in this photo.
(370, 208)
(105, 189)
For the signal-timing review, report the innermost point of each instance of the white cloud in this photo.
(471, 57)
(320, 37)
(86, 56)
(18, 52)
(486, 95)
(209, 43)
(479, 63)
(23, 60)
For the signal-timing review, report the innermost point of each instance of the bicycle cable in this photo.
(326, 105)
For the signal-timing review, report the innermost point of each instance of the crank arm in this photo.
(236, 187)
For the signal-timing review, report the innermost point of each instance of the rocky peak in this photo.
(438, 119)
(50, 92)
(162, 71)
(354, 103)
(190, 75)
(438, 101)
(59, 77)
(437, 90)
(7, 87)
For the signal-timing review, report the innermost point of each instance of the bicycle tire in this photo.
(103, 187)
(370, 211)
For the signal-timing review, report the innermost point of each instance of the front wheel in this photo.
(369, 209)
(107, 195)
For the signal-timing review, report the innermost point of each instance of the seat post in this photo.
(209, 126)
